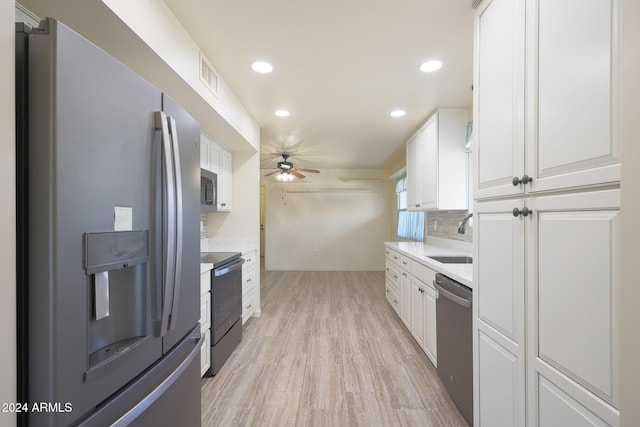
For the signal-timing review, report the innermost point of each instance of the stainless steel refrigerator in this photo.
(108, 269)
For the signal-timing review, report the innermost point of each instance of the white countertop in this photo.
(420, 252)
(244, 245)
(205, 267)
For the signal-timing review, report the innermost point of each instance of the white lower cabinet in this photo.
(411, 293)
(249, 286)
(553, 274)
(406, 298)
(418, 322)
(572, 294)
(205, 353)
(499, 384)
(430, 336)
(205, 321)
(393, 298)
(392, 284)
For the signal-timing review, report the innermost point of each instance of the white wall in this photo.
(338, 229)
(244, 218)
(154, 23)
(630, 203)
(173, 68)
(7, 212)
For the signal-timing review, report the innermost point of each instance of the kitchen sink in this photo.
(452, 259)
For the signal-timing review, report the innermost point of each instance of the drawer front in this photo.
(248, 280)
(403, 261)
(393, 277)
(248, 306)
(205, 353)
(205, 311)
(205, 282)
(393, 298)
(249, 260)
(424, 274)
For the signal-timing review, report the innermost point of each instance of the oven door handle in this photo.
(228, 269)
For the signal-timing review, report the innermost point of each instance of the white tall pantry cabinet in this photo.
(546, 232)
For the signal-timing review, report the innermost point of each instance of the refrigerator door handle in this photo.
(178, 206)
(168, 215)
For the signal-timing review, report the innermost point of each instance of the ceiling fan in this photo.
(286, 171)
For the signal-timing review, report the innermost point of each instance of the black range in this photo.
(226, 305)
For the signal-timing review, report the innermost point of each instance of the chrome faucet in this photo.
(461, 229)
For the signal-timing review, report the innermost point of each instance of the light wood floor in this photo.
(328, 350)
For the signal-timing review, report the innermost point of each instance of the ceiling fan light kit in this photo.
(284, 177)
(285, 170)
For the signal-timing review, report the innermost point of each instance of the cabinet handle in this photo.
(404, 274)
(404, 262)
(223, 204)
(248, 280)
(249, 306)
(526, 179)
(395, 276)
(524, 212)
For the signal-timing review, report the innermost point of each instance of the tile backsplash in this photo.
(444, 224)
(203, 225)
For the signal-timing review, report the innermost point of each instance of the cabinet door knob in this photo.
(524, 212)
(526, 179)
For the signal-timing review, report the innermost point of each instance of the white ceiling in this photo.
(340, 67)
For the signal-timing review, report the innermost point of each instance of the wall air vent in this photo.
(207, 75)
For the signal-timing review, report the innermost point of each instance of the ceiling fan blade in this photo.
(273, 173)
(297, 174)
(308, 170)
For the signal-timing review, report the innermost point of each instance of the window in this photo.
(410, 223)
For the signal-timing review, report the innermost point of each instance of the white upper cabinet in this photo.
(205, 153)
(436, 162)
(414, 171)
(217, 159)
(224, 182)
(566, 102)
(498, 92)
(571, 120)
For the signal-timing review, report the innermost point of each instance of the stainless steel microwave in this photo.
(208, 191)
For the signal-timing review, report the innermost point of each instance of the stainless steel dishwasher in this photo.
(454, 342)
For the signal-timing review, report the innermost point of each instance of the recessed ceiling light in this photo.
(431, 66)
(282, 113)
(397, 113)
(262, 67)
